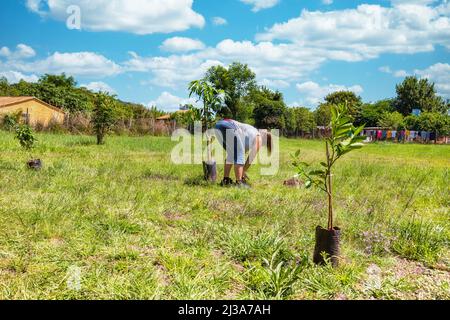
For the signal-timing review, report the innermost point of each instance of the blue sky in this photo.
(147, 51)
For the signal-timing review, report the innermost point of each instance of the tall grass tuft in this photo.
(419, 240)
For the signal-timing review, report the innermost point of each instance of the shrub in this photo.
(103, 117)
(11, 120)
(391, 120)
(26, 137)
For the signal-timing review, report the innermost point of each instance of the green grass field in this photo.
(134, 226)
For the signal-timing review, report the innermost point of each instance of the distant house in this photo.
(168, 117)
(33, 110)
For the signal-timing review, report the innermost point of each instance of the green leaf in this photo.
(358, 130)
(357, 145)
(317, 173)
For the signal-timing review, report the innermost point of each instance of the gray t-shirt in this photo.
(247, 132)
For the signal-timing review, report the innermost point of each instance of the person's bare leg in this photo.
(239, 171)
(227, 170)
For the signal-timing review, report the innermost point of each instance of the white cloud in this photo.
(367, 31)
(421, 2)
(261, 4)
(314, 93)
(171, 71)
(15, 77)
(395, 73)
(438, 73)
(99, 86)
(22, 52)
(385, 69)
(219, 21)
(181, 44)
(327, 2)
(76, 64)
(5, 52)
(272, 62)
(134, 16)
(169, 102)
(400, 74)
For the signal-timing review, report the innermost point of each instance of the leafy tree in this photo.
(370, 113)
(4, 87)
(290, 117)
(103, 117)
(61, 81)
(305, 120)
(414, 93)
(269, 109)
(411, 122)
(343, 139)
(26, 137)
(349, 98)
(434, 122)
(391, 120)
(236, 81)
(322, 114)
(211, 98)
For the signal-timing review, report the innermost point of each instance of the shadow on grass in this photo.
(8, 165)
(84, 142)
(197, 181)
(160, 176)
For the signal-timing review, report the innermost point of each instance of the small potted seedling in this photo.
(27, 140)
(212, 100)
(343, 138)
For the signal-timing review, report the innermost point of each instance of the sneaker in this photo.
(226, 182)
(242, 184)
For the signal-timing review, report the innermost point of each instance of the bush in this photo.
(26, 137)
(391, 120)
(103, 117)
(11, 120)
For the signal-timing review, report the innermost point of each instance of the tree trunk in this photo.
(329, 188)
(99, 138)
(330, 203)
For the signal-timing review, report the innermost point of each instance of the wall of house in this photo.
(38, 112)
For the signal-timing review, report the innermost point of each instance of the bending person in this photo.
(237, 139)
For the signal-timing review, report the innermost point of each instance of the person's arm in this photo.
(252, 154)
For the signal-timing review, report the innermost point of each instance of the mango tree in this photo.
(212, 100)
(27, 140)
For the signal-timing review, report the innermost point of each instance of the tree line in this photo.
(80, 103)
(247, 101)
